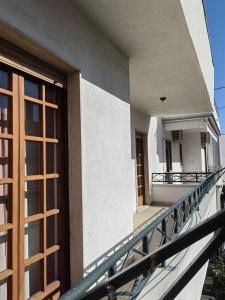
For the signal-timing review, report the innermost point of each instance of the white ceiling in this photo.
(163, 60)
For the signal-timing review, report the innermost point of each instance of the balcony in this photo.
(146, 265)
(179, 177)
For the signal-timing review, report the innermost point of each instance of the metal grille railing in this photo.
(129, 259)
(176, 177)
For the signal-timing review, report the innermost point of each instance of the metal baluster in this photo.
(176, 221)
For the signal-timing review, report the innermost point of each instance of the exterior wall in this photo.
(192, 156)
(195, 18)
(169, 193)
(105, 117)
(140, 122)
(213, 154)
(153, 130)
(222, 150)
(155, 158)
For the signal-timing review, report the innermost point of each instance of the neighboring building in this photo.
(95, 96)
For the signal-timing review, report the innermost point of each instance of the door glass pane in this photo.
(32, 119)
(4, 114)
(32, 280)
(4, 80)
(5, 201)
(5, 163)
(32, 201)
(33, 158)
(51, 123)
(52, 231)
(52, 267)
(50, 93)
(4, 249)
(32, 89)
(51, 163)
(51, 186)
(4, 288)
(31, 239)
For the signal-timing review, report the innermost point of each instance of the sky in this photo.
(215, 11)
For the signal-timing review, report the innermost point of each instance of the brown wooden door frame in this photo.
(140, 168)
(16, 263)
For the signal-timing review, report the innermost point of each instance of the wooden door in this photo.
(168, 156)
(140, 171)
(32, 145)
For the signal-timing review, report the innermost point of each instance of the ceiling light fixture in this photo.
(162, 99)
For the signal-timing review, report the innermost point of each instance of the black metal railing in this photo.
(124, 267)
(177, 177)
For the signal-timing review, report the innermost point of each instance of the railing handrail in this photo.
(152, 260)
(203, 173)
(180, 177)
(83, 286)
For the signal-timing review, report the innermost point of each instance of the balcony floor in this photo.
(146, 215)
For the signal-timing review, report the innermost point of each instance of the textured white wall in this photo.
(222, 150)
(194, 14)
(153, 128)
(105, 113)
(169, 193)
(192, 159)
(108, 192)
(156, 143)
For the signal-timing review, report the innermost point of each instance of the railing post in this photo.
(195, 199)
(164, 238)
(196, 177)
(145, 246)
(190, 204)
(164, 230)
(176, 221)
(184, 210)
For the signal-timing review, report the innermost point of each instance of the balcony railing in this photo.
(160, 238)
(178, 177)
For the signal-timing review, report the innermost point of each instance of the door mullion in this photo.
(15, 192)
(21, 187)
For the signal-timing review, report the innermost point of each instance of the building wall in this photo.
(192, 156)
(153, 129)
(222, 150)
(195, 18)
(107, 191)
(169, 193)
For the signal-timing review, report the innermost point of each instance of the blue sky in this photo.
(215, 10)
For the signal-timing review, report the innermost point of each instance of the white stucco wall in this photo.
(222, 150)
(155, 160)
(192, 159)
(157, 156)
(153, 129)
(107, 192)
(195, 18)
(169, 193)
